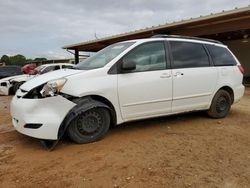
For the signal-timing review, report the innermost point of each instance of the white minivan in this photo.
(128, 81)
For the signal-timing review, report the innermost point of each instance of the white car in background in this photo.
(129, 81)
(6, 87)
(11, 84)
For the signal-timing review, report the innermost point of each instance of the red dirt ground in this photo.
(188, 150)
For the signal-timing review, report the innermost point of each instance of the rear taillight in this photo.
(241, 69)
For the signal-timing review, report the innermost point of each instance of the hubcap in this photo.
(221, 104)
(89, 123)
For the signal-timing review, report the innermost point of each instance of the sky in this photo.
(39, 28)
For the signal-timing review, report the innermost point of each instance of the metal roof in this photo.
(190, 27)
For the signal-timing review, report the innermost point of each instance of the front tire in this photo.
(221, 105)
(89, 126)
(16, 86)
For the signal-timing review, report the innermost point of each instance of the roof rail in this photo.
(187, 37)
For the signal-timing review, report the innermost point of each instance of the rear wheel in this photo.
(89, 126)
(221, 105)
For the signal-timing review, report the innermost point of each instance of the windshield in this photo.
(103, 57)
(38, 69)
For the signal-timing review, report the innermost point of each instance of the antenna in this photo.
(96, 36)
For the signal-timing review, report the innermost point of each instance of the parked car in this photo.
(129, 81)
(11, 84)
(6, 85)
(7, 71)
(27, 69)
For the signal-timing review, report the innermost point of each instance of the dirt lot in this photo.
(187, 150)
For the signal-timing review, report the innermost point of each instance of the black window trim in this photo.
(116, 68)
(212, 61)
(172, 59)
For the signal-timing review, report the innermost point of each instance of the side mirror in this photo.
(128, 66)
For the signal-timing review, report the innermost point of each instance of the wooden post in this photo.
(76, 56)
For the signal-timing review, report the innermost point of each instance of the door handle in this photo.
(178, 74)
(165, 75)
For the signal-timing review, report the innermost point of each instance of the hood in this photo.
(14, 77)
(23, 78)
(44, 78)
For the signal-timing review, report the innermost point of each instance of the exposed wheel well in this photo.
(109, 104)
(230, 91)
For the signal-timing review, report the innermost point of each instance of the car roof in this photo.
(179, 38)
(55, 64)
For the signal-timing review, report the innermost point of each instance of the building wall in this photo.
(242, 51)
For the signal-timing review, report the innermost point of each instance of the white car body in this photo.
(8, 82)
(5, 83)
(133, 96)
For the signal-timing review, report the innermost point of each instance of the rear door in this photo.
(194, 79)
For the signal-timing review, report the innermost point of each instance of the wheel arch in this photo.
(99, 101)
(109, 104)
(229, 90)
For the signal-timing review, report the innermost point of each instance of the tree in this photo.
(40, 59)
(29, 60)
(18, 60)
(5, 59)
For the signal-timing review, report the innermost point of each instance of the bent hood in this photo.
(44, 78)
(15, 77)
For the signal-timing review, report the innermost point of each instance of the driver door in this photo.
(146, 91)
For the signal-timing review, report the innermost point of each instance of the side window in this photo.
(57, 67)
(188, 54)
(148, 57)
(67, 67)
(221, 56)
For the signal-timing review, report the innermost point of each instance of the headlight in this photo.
(53, 87)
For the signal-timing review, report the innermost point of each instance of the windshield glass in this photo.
(103, 57)
(38, 69)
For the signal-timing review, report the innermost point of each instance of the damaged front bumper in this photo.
(39, 118)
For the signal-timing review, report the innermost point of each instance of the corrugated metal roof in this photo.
(173, 24)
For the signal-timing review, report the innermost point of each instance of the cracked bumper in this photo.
(49, 112)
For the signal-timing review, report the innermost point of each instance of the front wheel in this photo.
(16, 86)
(221, 105)
(89, 126)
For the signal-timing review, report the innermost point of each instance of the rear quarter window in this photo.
(221, 56)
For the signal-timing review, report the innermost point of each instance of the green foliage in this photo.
(5, 59)
(18, 60)
(40, 59)
(29, 60)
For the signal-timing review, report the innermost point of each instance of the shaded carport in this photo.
(231, 27)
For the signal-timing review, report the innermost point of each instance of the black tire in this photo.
(16, 86)
(221, 105)
(89, 126)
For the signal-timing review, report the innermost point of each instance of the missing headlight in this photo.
(34, 93)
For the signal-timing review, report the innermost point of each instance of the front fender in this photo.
(83, 104)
